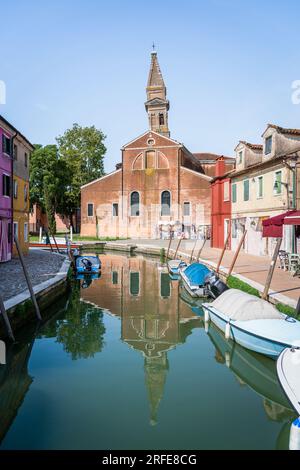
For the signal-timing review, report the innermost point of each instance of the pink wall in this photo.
(5, 202)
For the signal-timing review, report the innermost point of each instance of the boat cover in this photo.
(196, 274)
(238, 305)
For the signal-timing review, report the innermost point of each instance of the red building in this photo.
(220, 204)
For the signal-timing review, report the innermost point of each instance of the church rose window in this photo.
(165, 203)
(135, 204)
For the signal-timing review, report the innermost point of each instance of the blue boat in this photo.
(87, 264)
(253, 323)
(175, 266)
(193, 278)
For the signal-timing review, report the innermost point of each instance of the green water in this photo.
(126, 363)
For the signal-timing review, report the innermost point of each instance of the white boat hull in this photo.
(288, 370)
(194, 291)
(269, 337)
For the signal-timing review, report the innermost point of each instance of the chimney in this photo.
(220, 167)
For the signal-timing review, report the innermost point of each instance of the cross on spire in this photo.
(153, 46)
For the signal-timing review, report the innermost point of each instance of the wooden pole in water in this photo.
(169, 246)
(192, 254)
(236, 254)
(52, 235)
(223, 251)
(178, 245)
(201, 248)
(6, 320)
(271, 269)
(33, 298)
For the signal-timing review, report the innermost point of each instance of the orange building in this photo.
(159, 181)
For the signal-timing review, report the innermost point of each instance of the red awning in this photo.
(272, 227)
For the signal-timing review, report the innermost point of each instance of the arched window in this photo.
(165, 203)
(161, 119)
(135, 204)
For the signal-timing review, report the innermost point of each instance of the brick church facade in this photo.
(159, 182)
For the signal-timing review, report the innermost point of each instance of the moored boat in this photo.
(288, 370)
(253, 323)
(87, 264)
(193, 277)
(175, 265)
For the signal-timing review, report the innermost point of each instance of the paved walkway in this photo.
(41, 265)
(254, 268)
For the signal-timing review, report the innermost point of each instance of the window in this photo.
(25, 232)
(115, 209)
(6, 185)
(240, 154)
(15, 189)
(165, 203)
(15, 152)
(90, 210)
(161, 119)
(6, 145)
(16, 231)
(134, 283)
(186, 208)
(150, 159)
(233, 192)
(226, 191)
(260, 181)
(26, 160)
(234, 229)
(165, 285)
(268, 145)
(115, 277)
(25, 193)
(135, 204)
(246, 190)
(278, 182)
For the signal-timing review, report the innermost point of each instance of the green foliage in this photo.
(82, 151)
(286, 309)
(48, 181)
(235, 283)
(162, 254)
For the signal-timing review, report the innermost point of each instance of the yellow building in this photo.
(22, 149)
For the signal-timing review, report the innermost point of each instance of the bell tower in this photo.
(157, 105)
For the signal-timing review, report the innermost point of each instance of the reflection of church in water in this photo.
(154, 318)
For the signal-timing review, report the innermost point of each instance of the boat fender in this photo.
(227, 331)
(206, 327)
(295, 435)
(206, 316)
(228, 359)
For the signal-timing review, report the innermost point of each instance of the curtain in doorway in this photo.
(4, 245)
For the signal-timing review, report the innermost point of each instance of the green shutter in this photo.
(246, 190)
(233, 192)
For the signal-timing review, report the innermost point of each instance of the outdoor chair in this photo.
(284, 260)
(294, 264)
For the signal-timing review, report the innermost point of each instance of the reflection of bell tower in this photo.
(156, 369)
(157, 105)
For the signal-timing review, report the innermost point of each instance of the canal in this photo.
(127, 363)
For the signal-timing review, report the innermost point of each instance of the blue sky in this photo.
(228, 66)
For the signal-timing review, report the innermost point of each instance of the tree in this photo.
(82, 151)
(48, 181)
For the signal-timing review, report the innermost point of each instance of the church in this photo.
(159, 184)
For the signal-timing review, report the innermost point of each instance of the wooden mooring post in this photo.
(6, 320)
(178, 245)
(193, 250)
(223, 251)
(32, 294)
(201, 248)
(169, 245)
(271, 269)
(236, 254)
